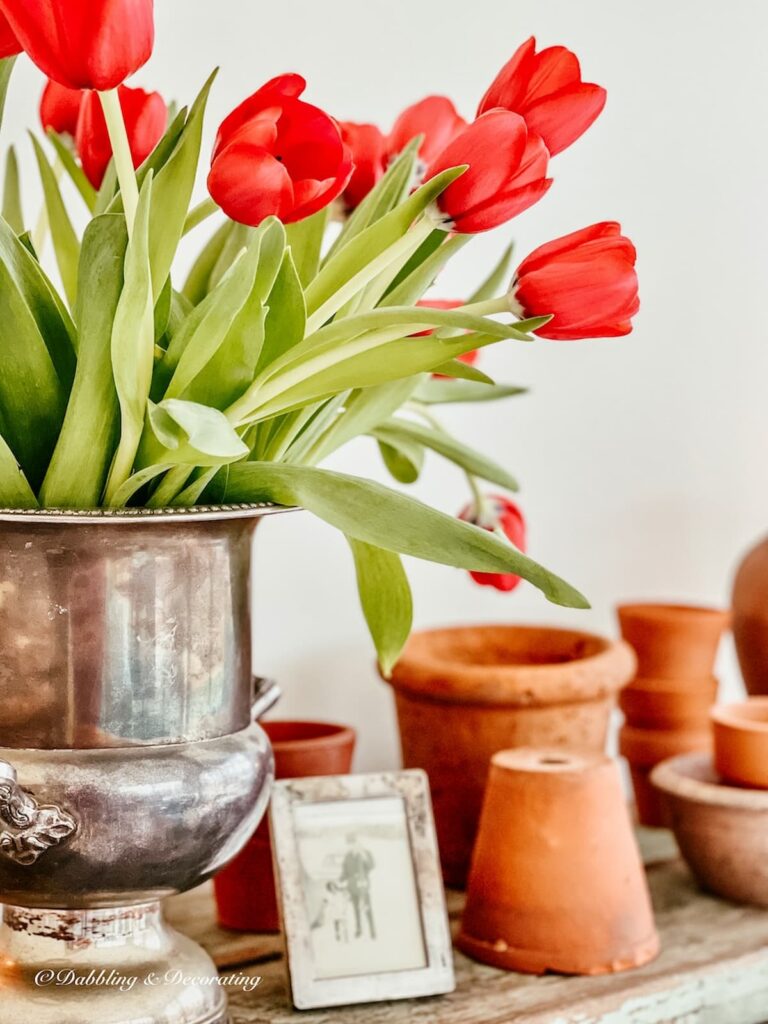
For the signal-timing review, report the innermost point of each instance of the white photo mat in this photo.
(360, 889)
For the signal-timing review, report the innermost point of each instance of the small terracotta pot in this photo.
(557, 883)
(722, 831)
(741, 742)
(644, 749)
(667, 704)
(673, 640)
(245, 889)
(463, 694)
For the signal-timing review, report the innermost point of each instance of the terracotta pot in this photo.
(463, 694)
(722, 831)
(669, 703)
(245, 889)
(741, 742)
(750, 618)
(557, 883)
(644, 749)
(673, 640)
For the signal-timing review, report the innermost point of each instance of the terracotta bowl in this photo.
(741, 742)
(722, 831)
(669, 703)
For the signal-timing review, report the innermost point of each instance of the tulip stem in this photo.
(489, 307)
(121, 149)
(200, 213)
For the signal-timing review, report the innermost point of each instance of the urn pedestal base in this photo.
(118, 966)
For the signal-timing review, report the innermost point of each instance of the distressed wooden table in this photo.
(713, 969)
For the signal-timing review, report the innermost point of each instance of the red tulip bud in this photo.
(498, 514)
(507, 172)
(586, 279)
(60, 108)
(276, 155)
(547, 90)
(368, 148)
(84, 44)
(146, 117)
(436, 118)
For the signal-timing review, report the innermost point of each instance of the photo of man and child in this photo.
(359, 887)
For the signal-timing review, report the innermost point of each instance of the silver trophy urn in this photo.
(131, 764)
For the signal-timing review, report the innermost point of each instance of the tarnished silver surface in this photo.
(104, 967)
(27, 829)
(120, 629)
(130, 764)
(153, 821)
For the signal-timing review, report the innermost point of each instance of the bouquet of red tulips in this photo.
(302, 323)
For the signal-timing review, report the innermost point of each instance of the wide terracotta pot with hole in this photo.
(722, 830)
(245, 890)
(669, 703)
(673, 640)
(557, 882)
(741, 742)
(463, 694)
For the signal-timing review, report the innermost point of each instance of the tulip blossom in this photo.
(436, 118)
(368, 147)
(277, 155)
(60, 108)
(146, 117)
(498, 515)
(587, 280)
(470, 358)
(547, 90)
(9, 44)
(507, 168)
(84, 44)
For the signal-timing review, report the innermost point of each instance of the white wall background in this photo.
(643, 459)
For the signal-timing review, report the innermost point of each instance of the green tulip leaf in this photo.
(65, 241)
(306, 241)
(385, 597)
(446, 392)
(15, 492)
(376, 515)
(186, 433)
(74, 170)
(80, 464)
(403, 458)
(287, 316)
(458, 370)
(198, 282)
(497, 281)
(13, 214)
(399, 430)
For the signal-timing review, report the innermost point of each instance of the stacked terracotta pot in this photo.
(667, 705)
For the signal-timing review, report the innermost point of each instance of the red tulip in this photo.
(277, 155)
(84, 44)
(146, 117)
(368, 147)
(498, 513)
(586, 279)
(547, 90)
(470, 358)
(60, 108)
(9, 44)
(507, 172)
(436, 118)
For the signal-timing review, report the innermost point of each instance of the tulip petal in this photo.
(555, 68)
(564, 117)
(508, 88)
(434, 117)
(603, 230)
(249, 184)
(502, 208)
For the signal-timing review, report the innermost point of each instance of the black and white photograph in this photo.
(359, 887)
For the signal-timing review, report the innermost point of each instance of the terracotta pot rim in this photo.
(691, 778)
(536, 961)
(669, 610)
(425, 671)
(331, 734)
(737, 716)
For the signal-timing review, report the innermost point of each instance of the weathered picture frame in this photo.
(360, 886)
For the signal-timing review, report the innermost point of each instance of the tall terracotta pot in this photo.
(245, 890)
(463, 694)
(750, 618)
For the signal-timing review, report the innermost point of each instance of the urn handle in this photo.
(266, 693)
(28, 829)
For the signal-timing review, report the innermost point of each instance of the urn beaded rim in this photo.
(116, 516)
